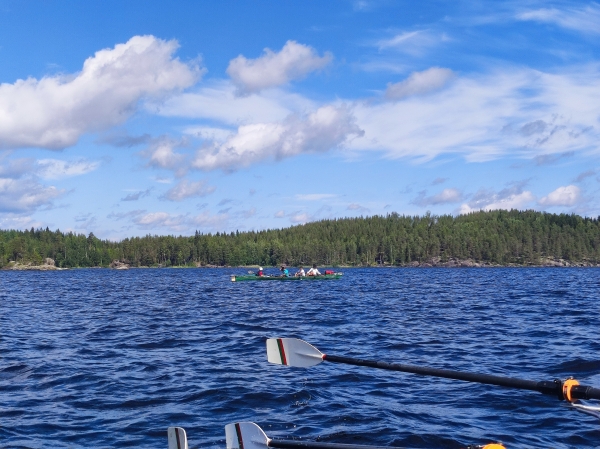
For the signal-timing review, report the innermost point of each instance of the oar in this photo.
(177, 438)
(295, 352)
(247, 435)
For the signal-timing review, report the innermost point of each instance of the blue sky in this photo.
(134, 118)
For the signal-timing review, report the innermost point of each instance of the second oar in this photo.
(247, 435)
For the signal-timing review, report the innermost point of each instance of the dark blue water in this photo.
(101, 358)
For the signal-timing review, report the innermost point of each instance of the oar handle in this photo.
(293, 444)
(554, 387)
(583, 392)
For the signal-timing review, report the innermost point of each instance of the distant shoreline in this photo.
(432, 263)
(479, 239)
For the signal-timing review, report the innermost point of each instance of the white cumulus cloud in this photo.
(300, 218)
(208, 132)
(18, 221)
(135, 196)
(510, 198)
(208, 221)
(57, 169)
(218, 101)
(183, 223)
(161, 153)
(274, 69)
(188, 189)
(521, 112)
(446, 196)
(46, 168)
(248, 213)
(15, 168)
(53, 112)
(314, 196)
(326, 128)
(162, 220)
(25, 195)
(419, 83)
(563, 196)
(357, 207)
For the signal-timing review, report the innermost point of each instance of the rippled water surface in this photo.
(103, 358)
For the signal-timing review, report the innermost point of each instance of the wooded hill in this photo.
(495, 237)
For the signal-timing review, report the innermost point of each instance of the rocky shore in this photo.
(435, 262)
(48, 265)
(470, 263)
(118, 265)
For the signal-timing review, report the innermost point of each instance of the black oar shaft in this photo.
(437, 372)
(545, 387)
(294, 444)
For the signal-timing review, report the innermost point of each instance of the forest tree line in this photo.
(496, 237)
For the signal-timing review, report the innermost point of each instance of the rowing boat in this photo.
(253, 277)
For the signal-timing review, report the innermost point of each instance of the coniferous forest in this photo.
(496, 238)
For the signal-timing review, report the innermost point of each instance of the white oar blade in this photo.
(177, 438)
(292, 352)
(245, 435)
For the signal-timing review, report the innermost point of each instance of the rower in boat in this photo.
(260, 272)
(300, 272)
(285, 271)
(254, 277)
(313, 271)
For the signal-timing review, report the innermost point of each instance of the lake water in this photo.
(103, 358)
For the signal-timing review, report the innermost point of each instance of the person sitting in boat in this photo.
(300, 272)
(313, 271)
(260, 272)
(285, 271)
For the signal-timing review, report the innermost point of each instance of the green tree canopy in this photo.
(497, 237)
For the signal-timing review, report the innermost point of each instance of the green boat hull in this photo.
(252, 277)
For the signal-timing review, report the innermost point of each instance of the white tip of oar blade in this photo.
(245, 435)
(292, 352)
(177, 438)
